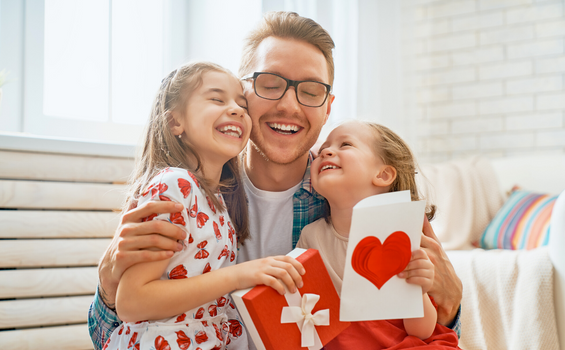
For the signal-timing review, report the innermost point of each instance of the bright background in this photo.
(453, 77)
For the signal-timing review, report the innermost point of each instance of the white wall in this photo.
(485, 76)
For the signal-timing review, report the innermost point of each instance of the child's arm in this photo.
(420, 271)
(143, 296)
(422, 327)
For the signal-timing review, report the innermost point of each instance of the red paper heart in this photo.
(379, 262)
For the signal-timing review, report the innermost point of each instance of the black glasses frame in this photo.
(289, 83)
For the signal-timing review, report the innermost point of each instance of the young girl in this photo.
(198, 126)
(358, 160)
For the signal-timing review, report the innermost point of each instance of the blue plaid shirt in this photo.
(101, 322)
(456, 324)
(308, 206)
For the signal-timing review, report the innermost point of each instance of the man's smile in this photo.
(285, 129)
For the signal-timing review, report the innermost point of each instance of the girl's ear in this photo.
(385, 177)
(174, 123)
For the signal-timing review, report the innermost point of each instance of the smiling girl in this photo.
(358, 160)
(198, 126)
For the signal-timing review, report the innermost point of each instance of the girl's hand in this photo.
(419, 270)
(272, 271)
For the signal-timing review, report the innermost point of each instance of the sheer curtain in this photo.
(380, 66)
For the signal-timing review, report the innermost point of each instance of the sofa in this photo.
(512, 298)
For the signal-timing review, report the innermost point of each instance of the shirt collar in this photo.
(306, 184)
(307, 179)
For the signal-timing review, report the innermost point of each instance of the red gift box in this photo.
(261, 308)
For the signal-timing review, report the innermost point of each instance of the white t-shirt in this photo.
(270, 222)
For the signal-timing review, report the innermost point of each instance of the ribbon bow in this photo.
(302, 316)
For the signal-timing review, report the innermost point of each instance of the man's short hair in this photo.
(287, 25)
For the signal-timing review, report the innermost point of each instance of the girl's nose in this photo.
(326, 152)
(236, 110)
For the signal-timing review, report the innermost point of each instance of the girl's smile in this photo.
(327, 166)
(231, 129)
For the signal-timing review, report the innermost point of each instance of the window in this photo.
(90, 69)
(96, 66)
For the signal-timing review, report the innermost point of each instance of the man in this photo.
(287, 66)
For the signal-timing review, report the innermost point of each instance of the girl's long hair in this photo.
(161, 149)
(395, 152)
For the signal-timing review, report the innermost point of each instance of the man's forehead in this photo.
(291, 58)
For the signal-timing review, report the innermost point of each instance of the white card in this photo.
(379, 216)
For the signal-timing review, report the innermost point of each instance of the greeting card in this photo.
(307, 319)
(385, 229)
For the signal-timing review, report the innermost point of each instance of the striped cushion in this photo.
(521, 223)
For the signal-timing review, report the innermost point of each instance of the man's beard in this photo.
(295, 155)
(262, 147)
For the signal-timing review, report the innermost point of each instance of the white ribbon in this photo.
(300, 312)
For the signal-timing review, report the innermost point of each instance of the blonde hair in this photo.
(161, 149)
(287, 25)
(395, 152)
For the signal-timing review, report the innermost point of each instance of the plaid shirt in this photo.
(101, 322)
(308, 206)
(456, 324)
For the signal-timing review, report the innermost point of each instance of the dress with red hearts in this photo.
(211, 244)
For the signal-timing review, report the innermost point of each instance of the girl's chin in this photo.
(324, 191)
(232, 152)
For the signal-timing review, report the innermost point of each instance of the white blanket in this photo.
(467, 197)
(507, 300)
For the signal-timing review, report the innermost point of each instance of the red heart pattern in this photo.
(178, 186)
(378, 262)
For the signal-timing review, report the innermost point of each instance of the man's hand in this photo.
(447, 289)
(136, 241)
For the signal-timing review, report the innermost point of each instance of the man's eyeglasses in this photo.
(272, 86)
